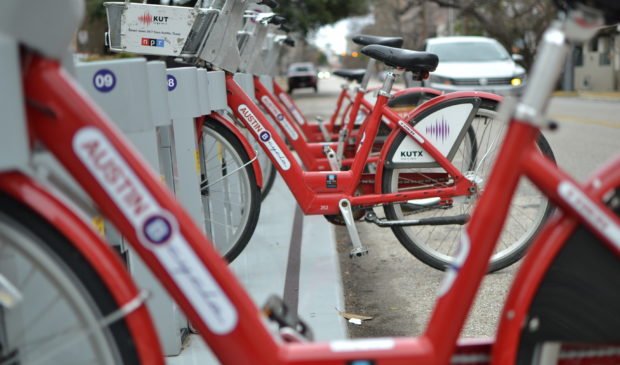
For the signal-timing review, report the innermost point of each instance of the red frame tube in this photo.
(312, 193)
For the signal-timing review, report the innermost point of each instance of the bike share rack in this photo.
(13, 134)
(134, 94)
(156, 109)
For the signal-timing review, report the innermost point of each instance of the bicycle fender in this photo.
(426, 90)
(99, 255)
(424, 109)
(560, 231)
(246, 145)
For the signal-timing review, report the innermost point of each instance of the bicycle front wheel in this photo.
(53, 301)
(436, 245)
(230, 196)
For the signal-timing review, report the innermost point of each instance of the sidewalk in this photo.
(608, 95)
(293, 256)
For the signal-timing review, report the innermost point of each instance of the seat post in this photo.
(369, 69)
(388, 83)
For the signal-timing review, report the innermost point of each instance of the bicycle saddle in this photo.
(367, 40)
(403, 58)
(351, 74)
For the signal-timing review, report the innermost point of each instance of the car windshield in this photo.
(468, 52)
(302, 69)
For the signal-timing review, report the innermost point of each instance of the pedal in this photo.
(358, 252)
(331, 158)
(345, 209)
(292, 328)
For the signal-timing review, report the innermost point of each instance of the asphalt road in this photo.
(396, 289)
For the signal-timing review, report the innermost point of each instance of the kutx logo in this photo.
(417, 153)
(149, 19)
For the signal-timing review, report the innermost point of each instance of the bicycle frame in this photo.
(311, 130)
(319, 192)
(129, 194)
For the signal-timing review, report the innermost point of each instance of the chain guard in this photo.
(338, 219)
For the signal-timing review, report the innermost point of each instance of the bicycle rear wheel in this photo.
(437, 245)
(230, 195)
(63, 301)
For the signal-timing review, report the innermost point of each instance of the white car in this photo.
(474, 63)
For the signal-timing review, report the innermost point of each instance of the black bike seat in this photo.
(351, 74)
(403, 58)
(367, 40)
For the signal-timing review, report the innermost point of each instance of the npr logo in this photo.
(152, 42)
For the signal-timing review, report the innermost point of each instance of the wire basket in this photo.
(158, 29)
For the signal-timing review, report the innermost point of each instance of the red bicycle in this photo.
(66, 297)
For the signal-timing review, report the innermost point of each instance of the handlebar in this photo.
(289, 41)
(277, 20)
(270, 3)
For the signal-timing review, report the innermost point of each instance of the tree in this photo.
(514, 23)
(306, 15)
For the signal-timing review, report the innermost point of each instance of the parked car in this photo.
(474, 63)
(300, 75)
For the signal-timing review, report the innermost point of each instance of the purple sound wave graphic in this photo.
(440, 129)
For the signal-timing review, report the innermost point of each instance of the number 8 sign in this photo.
(104, 80)
(172, 82)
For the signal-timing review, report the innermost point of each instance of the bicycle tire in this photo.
(436, 245)
(63, 298)
(230, 195)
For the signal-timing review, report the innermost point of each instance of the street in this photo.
(397, 290)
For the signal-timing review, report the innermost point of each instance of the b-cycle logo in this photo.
(264, 136)
(157, 229)
(273, 109)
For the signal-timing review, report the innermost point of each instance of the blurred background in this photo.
(323, 31)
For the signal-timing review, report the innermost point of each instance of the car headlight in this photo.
(517, 80)
(440, 80)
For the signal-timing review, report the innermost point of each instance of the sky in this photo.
(334, 37)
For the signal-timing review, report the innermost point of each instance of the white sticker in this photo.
(589, 211)
(291, 107)
(441, 128)
(454, 267)
(264, 136)
(280, 118)
(371, 344)
(155, 228)
(155, 30)
(410, 130)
